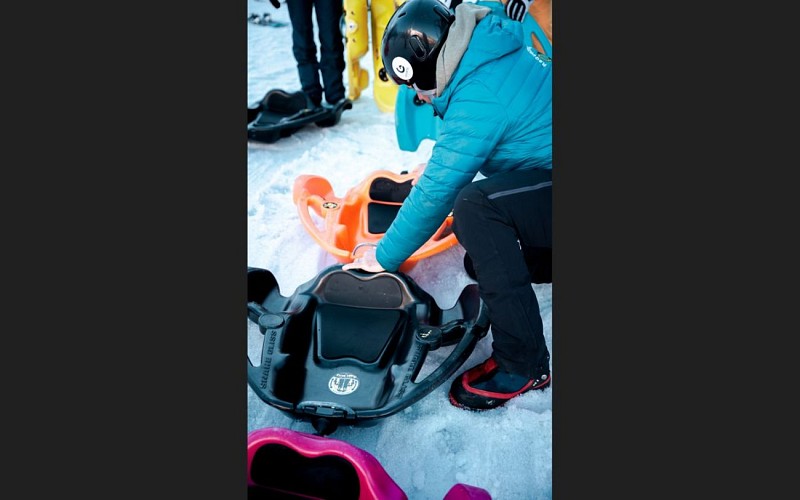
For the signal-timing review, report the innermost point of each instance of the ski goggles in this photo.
(429, 93)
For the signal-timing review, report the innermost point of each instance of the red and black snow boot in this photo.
(485, 386)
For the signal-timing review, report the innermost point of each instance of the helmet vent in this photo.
(418, 48)
(444, 14)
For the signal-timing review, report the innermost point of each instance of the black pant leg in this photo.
(540, 263)
(494, 219)
(304, 48)
(331, 43)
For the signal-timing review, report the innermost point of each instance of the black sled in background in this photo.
(347, 346)
(280, 114)
(266, 20)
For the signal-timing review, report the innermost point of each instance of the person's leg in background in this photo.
(304, 48)
(331, 41)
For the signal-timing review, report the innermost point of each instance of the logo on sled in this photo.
(343, 384)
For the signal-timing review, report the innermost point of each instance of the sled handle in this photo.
(362, 244)
(436, 243)
(273, 327)
(416, 390)
(304, 201)
(317, 203)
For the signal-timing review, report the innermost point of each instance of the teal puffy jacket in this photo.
(497, 117)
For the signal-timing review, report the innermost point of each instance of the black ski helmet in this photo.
(412, 40)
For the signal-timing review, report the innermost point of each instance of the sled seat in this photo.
(346, 321)
(363, 215)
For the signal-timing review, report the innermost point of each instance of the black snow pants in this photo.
(331, 61)
(505, 224)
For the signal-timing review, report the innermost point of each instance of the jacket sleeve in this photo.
(473, 125)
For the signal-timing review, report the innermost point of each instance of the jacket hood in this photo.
(498, 37)
(480, 38)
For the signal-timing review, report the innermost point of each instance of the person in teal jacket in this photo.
(494, 95)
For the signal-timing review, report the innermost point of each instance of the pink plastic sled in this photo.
(285, 464)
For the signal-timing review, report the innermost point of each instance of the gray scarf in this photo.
(467, 16)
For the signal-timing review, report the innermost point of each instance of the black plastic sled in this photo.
(280, 114)
(347, 346)
(265, 19)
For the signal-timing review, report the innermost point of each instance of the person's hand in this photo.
(275, 3)
(418, 172)
(516, 9)
(365, 259)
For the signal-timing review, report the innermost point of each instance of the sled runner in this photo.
(415, 120)
(282, 463)
(280, 114)
(347, 346)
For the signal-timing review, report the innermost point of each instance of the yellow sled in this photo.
(364, 24)
(356, 32)
(383, 88)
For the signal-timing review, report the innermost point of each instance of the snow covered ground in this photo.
(430, 446)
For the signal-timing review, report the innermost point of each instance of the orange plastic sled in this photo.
(363, 215)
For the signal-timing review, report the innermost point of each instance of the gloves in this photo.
(275, 3)
(515, 9)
